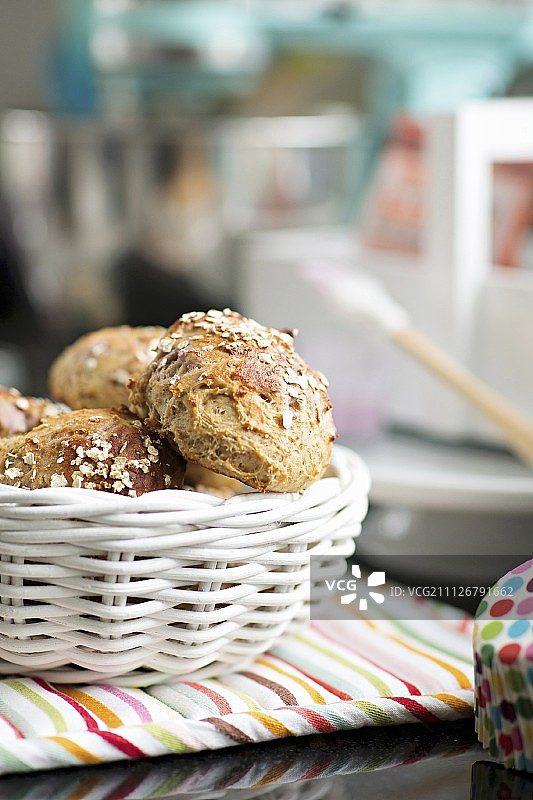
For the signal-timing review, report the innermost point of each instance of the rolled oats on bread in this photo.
(234, 397)
(102, 449)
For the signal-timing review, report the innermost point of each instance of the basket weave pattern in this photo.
(95, 586)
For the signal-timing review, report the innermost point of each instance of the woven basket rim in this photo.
(161, 500)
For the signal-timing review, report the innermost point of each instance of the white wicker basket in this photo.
(95, 586)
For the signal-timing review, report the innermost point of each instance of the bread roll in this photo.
(234, 397)
(19, 414)
(91, 449)
(95, 370)
(205, 480)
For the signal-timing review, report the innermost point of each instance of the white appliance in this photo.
(480, 313)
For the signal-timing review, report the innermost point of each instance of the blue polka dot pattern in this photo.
(518, 628)
(512, 585)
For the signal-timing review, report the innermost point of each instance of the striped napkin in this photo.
(332, 676)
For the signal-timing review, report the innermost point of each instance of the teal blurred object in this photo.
(430, 56)
(124, 58)
(127, 59)
(144, 56)
(69, 71)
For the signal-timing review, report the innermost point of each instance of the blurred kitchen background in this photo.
(158, 156)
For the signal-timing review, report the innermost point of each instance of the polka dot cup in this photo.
(503, 653)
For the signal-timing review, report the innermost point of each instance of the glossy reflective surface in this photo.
(442, 762)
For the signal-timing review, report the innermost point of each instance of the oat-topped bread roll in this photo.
(235, 397)
(91, 449)
(19, 414)
(95, 370)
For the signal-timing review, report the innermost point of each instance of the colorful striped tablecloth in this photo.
(333, 676)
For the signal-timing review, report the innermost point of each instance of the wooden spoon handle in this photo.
(516, 427)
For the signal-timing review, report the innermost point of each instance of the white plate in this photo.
(448, 501)
(409, 471)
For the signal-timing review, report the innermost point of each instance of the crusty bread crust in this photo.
(235, 397)
(102, 449)
(95, 370)
(19, 414)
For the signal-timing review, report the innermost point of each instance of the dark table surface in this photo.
(441, 762)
